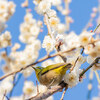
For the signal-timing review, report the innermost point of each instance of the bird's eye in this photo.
(39, 67)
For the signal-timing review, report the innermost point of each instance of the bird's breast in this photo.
(50, 78)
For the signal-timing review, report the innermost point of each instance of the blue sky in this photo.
(80, 12)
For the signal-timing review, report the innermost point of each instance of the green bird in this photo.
(52, 74)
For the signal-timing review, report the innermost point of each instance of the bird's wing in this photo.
(51, 67)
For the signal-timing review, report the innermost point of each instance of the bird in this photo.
(52, 74)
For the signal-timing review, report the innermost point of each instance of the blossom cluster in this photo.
(19, 59)
(29, 29)
(7, 9)
(5, 39)
(58, 39)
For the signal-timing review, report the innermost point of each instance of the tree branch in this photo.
(93, 63)
(49, 92)
(42, 59)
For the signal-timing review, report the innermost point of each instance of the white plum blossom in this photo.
(61, 28)
(96, 98)
(56, 2)
(7, 9)
(6, 69)
(54, 21)
(2, 26)
(48, 43)
(29, 29)
(72, 40)
(3, 6)
(85, 38)
(15, 47)
(43, 6)
(17, 98)
(71, 79)
(29, 88)
(19, 59)
(28, 72)
(35, 30)
(28, 18)
(47, 63)
(36, 2)
(60, 40)
(58, 59)
(96, 66)
(50, 98)
(6, 85)
(42, 88)
(89, 86)
(5, 39)
(51, 13)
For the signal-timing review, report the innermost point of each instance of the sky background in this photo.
(80, 12)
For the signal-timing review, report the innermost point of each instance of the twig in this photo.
(97, 75)
(89, 92)
(66, 17)
(5, 96)
(96, 28)
(77, 60)
(63, 93)
(90, 87)
(87, 25)
(14, 84)
(6, 51)
(47, 23)
(37, 87)
(93, 63)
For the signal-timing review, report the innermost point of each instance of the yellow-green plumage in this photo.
(52, 74)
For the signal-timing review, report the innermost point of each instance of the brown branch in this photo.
(63, 93)
(87, 69)
(93, 63)
(42, 59)
(49, 92)
(4, 96)
(77, 59)
(14, 84)
(47, 24)
(61, 86)
(37, 87)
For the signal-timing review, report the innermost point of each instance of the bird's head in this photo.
(37, 69)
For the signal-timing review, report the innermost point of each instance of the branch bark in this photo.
(49, 92)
